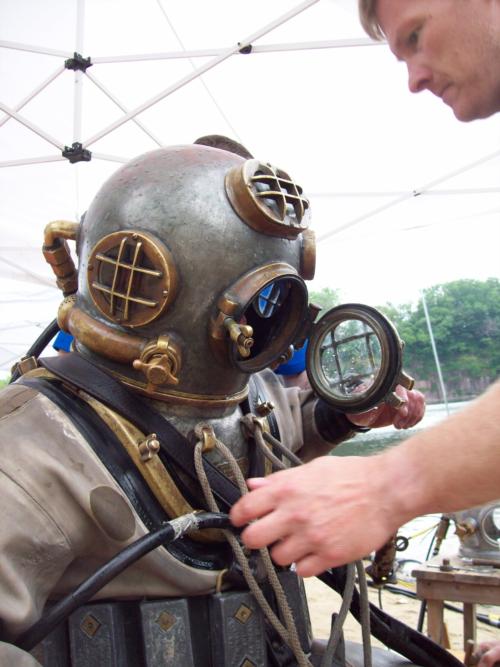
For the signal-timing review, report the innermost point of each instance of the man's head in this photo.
(451, 47)
(225, 144)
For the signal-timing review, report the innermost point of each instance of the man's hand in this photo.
(409, 414)
(489, 653)
(328, 512)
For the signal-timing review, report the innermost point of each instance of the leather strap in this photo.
(86, 375)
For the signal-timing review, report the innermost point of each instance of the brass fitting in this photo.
(160, 362)
(466, 528)
(206, 435)
(406, 380)
(57, 254)
(264, 409)
(149, 447)
(24, 365)
(241, 335)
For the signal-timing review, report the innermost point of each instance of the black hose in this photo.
(38, 346)
(167, 533)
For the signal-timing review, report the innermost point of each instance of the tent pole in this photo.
(78, 96)
(435, 353)
(201, 70)
(31, 126)
(32, 160)
(395, 193)
(414, 193)
(202, 80)
(34, 49)
(264, 48)
(122, 107)
(111, 158)
(34, 93)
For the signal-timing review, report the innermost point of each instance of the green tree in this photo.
(465, 320)
(325, 298)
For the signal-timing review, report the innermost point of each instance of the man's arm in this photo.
(334, 510)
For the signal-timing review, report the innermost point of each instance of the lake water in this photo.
(419, 530)
(379, 438)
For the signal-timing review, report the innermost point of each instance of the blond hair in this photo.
(369, 21)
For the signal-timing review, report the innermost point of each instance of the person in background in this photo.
(452, 49)
(292, 372)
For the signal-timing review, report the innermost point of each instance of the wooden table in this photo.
(455, 582)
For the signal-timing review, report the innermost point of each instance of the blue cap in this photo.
(296, 364)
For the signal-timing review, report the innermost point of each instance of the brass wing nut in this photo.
(160, 362)
(241, 335)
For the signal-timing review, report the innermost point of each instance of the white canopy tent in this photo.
(402, 194)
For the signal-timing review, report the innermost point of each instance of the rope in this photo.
(365, 614)
(286, 452)
(288, 633)
(254, 425)
(338, 620)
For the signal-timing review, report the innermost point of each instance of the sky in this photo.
(340, 121)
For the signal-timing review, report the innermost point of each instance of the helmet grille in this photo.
(267, 199)
(131, 277)
(278, 195)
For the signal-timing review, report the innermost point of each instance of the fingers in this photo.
(268, 530)
(252, 506)
(412, 411)
(291, 549)
(257, 482)
(406, 416)
(365, 419)
(312, 565)
(491, 657)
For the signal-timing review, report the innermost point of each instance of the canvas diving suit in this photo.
(190, 286)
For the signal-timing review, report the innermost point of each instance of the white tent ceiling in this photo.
(402, 194)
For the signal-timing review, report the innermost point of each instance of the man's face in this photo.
(451, 47)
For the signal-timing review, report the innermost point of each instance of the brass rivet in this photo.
(247, 663)
(243, 614)
(90, 625)
(166, 620)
